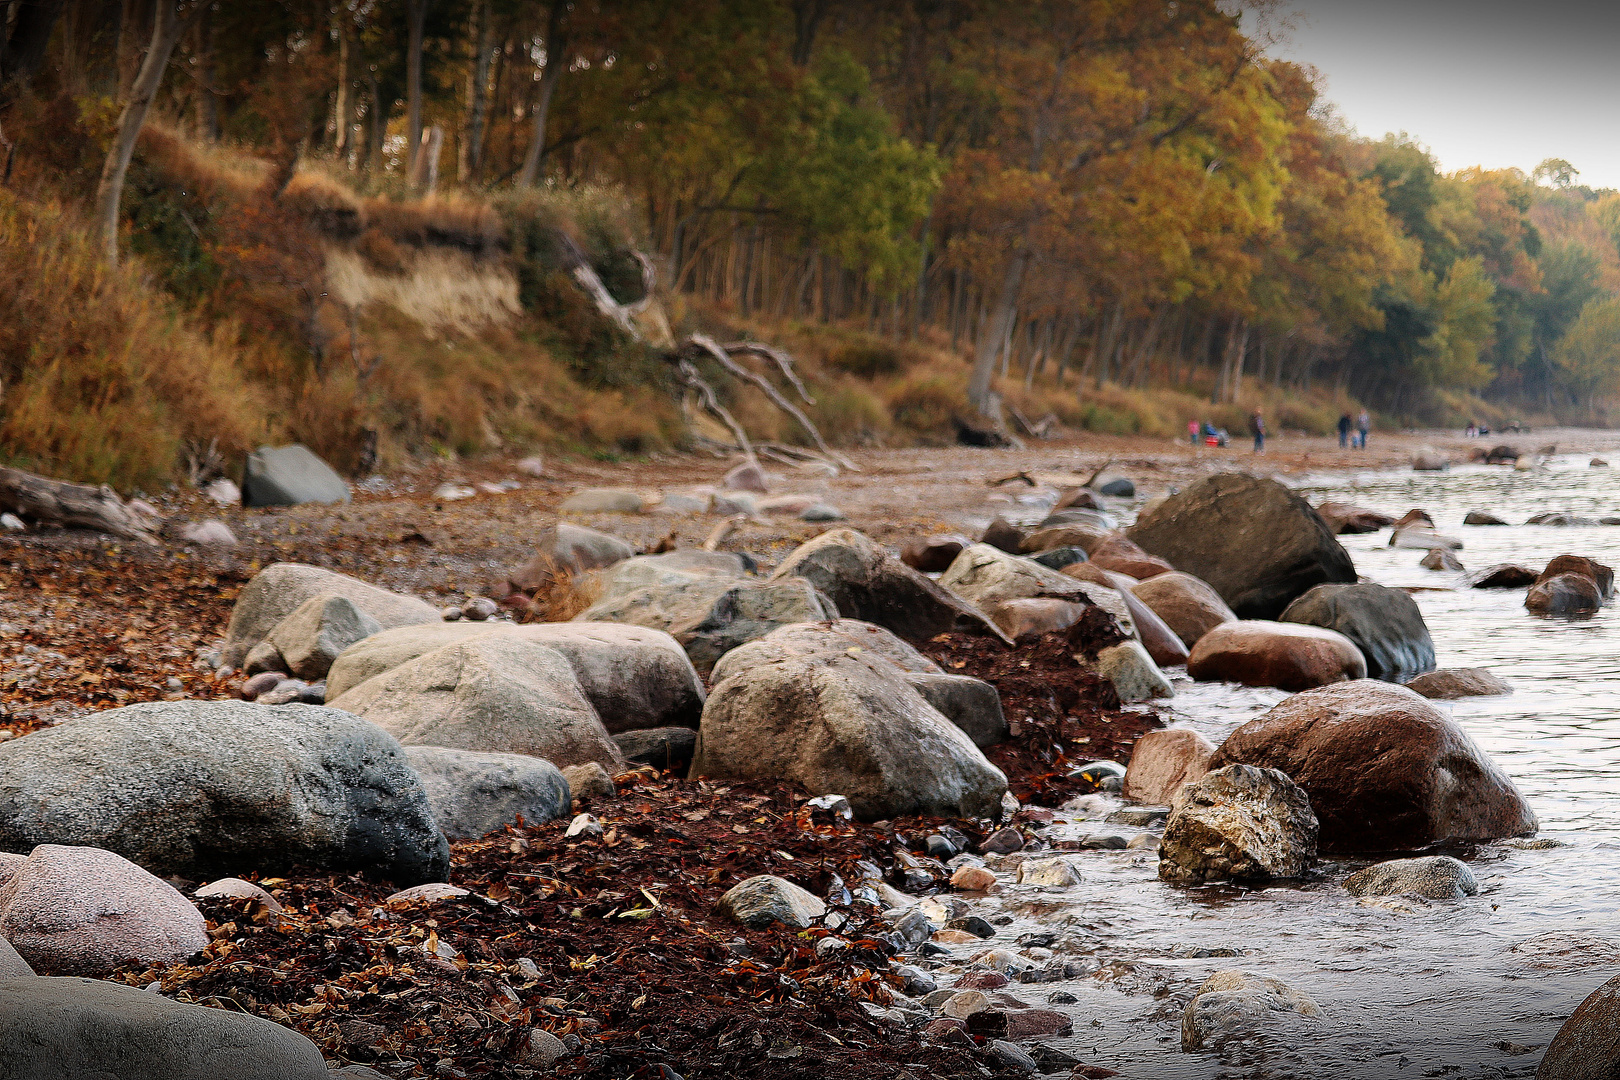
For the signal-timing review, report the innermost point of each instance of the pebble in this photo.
(1139, 816)
(822, 512)
(1105, 842)
(940, 848)
(450, 614)
(965, 1003)
(532, 466)
(236, 889)
(982, 980)
(1144, 842)
(1009, 1056)
(452, 492)
(1061, 997)
(12, 522)
(313, 694)
(433, 891)
(258, 684)
(541, 1049)
(917, 981)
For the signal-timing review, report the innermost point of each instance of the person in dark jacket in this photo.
(1344, 431)
(1257, 424)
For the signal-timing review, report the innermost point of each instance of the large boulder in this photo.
(1347, 518)
(864, 582)
(1385, 769)
(1587, 1047)
(1288, 656)
(1162, 761)
(1053, 537)
(1385, 624)
(971, 704)
(1600, 575)
(1161, 642)
(1564, 594)
(1231, 1005)
(672, 568)
(498, 693)
(319, 630)
(279, 589)
(12, 965)
(474, 793)
(85, 911)
(1258, 544)
(850, 725)
(634, 677)
(1428, 459)
(1239, 823)
(288, 476)
(986, 576)
(1188, 606)
(86, 1029)
(209, 788)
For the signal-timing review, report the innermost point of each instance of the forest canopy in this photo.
(1126, 192)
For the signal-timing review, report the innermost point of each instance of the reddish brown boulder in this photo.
(1345, 518)
(1564, 594)
(1601, 575)
(1122, 556)
(1385, 769)
(1161, 761)
(1448, 684)
(1289, 656)
(933, 554)
(1098, 576)
(1186, 604)
(1078, 497)
(1587, 1047)
(1004, 535)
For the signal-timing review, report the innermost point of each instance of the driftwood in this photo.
(585, 275)
(80, 506)
(690, 375)
(722, 532)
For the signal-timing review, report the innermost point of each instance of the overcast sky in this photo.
(1490, 82)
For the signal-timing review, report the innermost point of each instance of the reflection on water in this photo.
(1475, 988)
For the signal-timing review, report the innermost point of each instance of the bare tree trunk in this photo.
(990, 341)
(167, 28)
(71, 505)
(471, 160)
(416, 15)
(556, 61)
(378, 128)
(135, 16)
(426, 178)
(344, 108)
(207, 92)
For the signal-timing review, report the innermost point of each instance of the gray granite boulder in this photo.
(209, 788)
(317, 631)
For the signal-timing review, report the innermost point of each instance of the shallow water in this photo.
(1474, 988)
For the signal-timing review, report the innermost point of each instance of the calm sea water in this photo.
(1475, 988)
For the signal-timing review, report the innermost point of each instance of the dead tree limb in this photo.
(782, 360)
(81, 506)
(708, 345)
(706, 394)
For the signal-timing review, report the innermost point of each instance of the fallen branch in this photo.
(55, 502)
(781, 359)
(1098, 473)
(722, 532)
(708, 345)
(706, 394)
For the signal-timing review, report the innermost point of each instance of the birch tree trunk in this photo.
(416, 15)
(556, 61)
(166, 30)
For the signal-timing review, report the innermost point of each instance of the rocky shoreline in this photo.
(894, 734)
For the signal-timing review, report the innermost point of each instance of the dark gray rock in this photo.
(1258, 544)
(86, 1029)
(1385, 624)
(206, 789)
(1058, 558)
(1119, 487)
(288, 476)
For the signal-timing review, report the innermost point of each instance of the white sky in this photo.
(1489, 83)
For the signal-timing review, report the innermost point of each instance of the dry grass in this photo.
(444, 291)
(104, 379)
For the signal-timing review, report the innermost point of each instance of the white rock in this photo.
(450, 492)
(210, 533)
(225, 492)
(12, 522)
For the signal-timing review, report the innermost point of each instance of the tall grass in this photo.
(104, 380)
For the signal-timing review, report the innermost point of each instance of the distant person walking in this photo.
(1257, 424)
(1192, 431)
(1362, 423)
(1344, 430)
